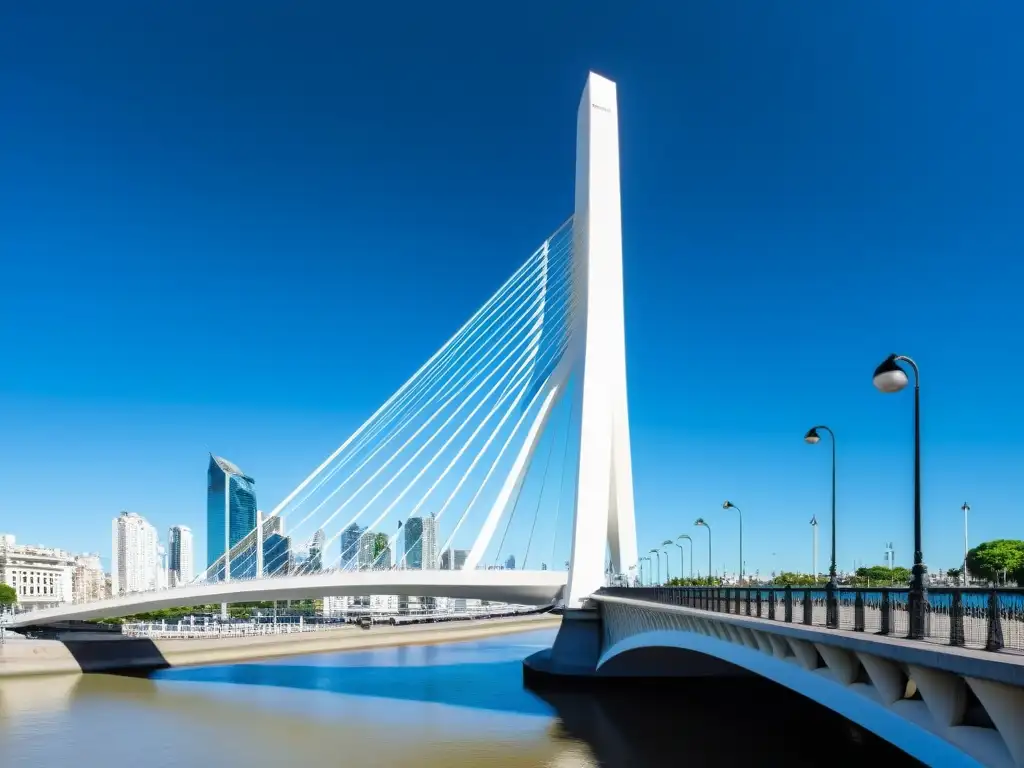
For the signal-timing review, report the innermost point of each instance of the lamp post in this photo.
(700, 521)
(888, 378)
(657, 570)
(640, 562)
(684, 536)
(966, 508)
(682, 567)
(831, 606)
(814, 547)
(730, 505)
(668, 576)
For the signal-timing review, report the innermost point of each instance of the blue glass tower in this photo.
(230, 507)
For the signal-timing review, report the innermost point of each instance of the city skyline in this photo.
(842, 224)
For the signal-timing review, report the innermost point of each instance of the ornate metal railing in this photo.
(989, 619)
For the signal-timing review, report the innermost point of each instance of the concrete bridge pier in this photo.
(575, 658)
(576, 651)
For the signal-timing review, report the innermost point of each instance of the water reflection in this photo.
(461, 704)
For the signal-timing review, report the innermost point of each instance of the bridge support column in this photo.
(575, 653)
(603, 519)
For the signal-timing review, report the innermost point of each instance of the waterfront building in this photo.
(42, 576)
(381, 552)
(315, 560)
(364, 559)
(162, 577)
(430, 542)
(180, 556)
(421, 542)
(88, 581)
(278, 558)
(134, 565)
(277, 555)
(230, 509)
(350, 545)
(457, 555)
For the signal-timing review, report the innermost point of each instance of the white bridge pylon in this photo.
(454, 445)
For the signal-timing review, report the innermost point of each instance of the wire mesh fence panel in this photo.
(899, 614)
(873, 612)
(1011, 610)
(846, 600)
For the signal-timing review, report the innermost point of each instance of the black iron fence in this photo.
(989, 619)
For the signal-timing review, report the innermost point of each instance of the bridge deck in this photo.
(515, 587)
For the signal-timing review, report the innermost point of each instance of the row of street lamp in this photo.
(889, 377)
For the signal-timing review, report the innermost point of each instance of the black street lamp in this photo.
(684, 536)
(657, 572)
(831, 605)
(668, 575)
(700, 521)
(730, 505)
(889, 378)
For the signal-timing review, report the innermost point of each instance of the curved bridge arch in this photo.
(941, 709)
(851, 704)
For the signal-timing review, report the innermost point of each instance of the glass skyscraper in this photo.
(180, 556)
(350, 545)
(230, 507)
(421, 543)
(414, 543)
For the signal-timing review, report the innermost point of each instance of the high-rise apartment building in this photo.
(421, 542)
(180, 556)
(134, 565)
(381, 552)
(230, 507)
(161, 567)
(430, 542)
(364, 560)
(315, 561)
(88, 581)
(374, 551)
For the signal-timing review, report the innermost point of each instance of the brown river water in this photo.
(450, 705)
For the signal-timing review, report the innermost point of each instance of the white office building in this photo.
(180, 555)
(135, 564)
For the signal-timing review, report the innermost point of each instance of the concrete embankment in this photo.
(24, 657)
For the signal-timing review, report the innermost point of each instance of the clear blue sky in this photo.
(239, 228)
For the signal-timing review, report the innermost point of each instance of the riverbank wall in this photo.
(26, 657)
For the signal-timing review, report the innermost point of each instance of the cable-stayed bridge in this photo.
(512, 438)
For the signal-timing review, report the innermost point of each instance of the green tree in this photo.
(954, 573)
(8, 595)
(991, 559)
(881, 575)
(788, 579)
(380, 543)
(697, 582)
